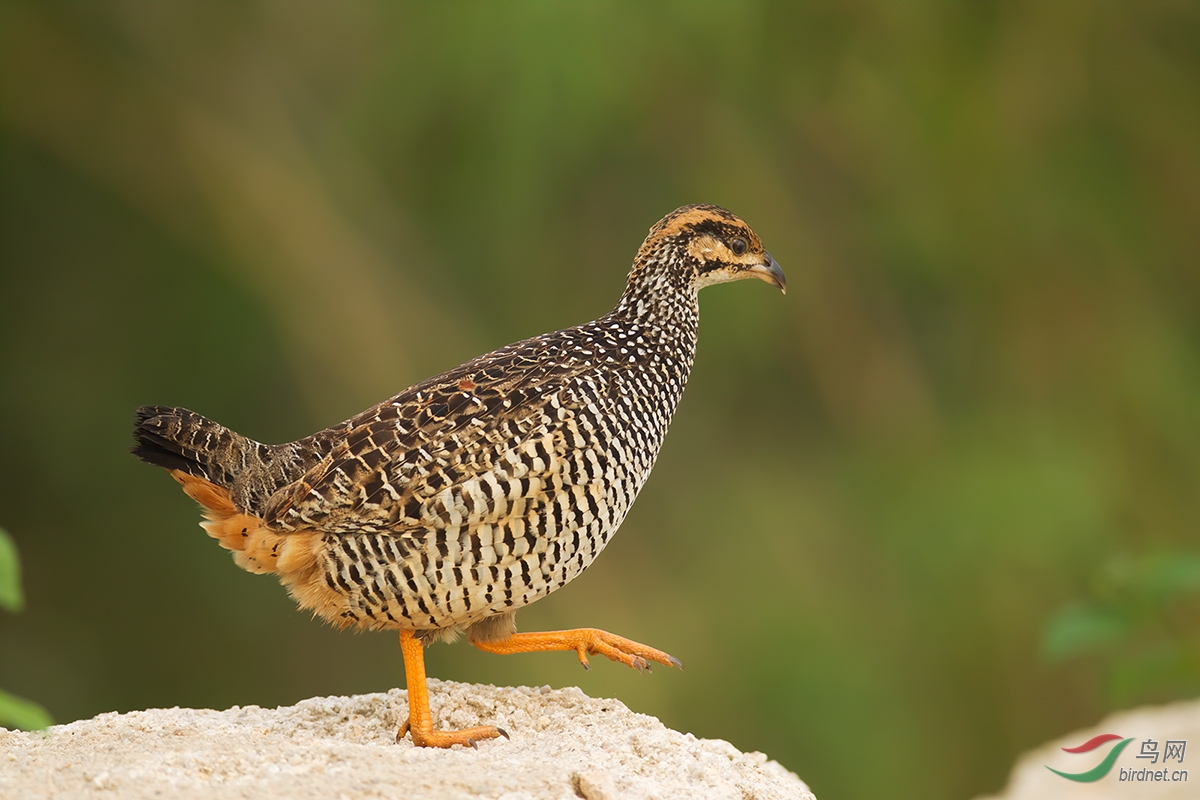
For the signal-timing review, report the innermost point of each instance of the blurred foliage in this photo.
(16, 712)
(980, 389)
(11, 597)
(1141, 620)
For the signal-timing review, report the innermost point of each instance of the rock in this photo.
(564, 745)
(1130, 776)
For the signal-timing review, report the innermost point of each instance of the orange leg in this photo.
(420, 720)
(585, 642)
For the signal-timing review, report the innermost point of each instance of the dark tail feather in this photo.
(175, 438)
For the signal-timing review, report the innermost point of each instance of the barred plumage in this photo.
(483, 489)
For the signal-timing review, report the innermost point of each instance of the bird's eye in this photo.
(738, 246)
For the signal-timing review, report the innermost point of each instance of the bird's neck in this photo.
(663, 306)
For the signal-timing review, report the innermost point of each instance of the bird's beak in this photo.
(770, 272)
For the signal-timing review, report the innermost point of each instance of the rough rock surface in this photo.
(1030, 780)
(564, 745)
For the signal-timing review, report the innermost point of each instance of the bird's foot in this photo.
(426, 736)
(585, 642)
(420, 720)
(592, 641)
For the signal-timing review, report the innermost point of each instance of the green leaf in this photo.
(17, 712)
(10, 574)
(1080, 628)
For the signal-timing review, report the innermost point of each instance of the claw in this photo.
(435, 738)
(585, 642)
(419, 722)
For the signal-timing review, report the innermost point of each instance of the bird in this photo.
(448, 507)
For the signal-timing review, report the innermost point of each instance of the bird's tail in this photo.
(178, 439)
(205, 458)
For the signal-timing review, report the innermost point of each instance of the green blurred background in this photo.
(933, 507)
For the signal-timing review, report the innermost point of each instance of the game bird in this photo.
(481, 490)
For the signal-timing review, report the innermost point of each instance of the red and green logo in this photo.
(1100, 770)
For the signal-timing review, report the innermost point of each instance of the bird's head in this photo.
(705, 244)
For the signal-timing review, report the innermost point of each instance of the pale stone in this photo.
(1031, 780)
(564, 745)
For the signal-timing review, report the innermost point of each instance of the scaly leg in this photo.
(420, 720)
(585, 642)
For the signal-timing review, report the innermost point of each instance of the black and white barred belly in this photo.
(530, 523)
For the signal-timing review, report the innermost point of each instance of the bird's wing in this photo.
(481, 444)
